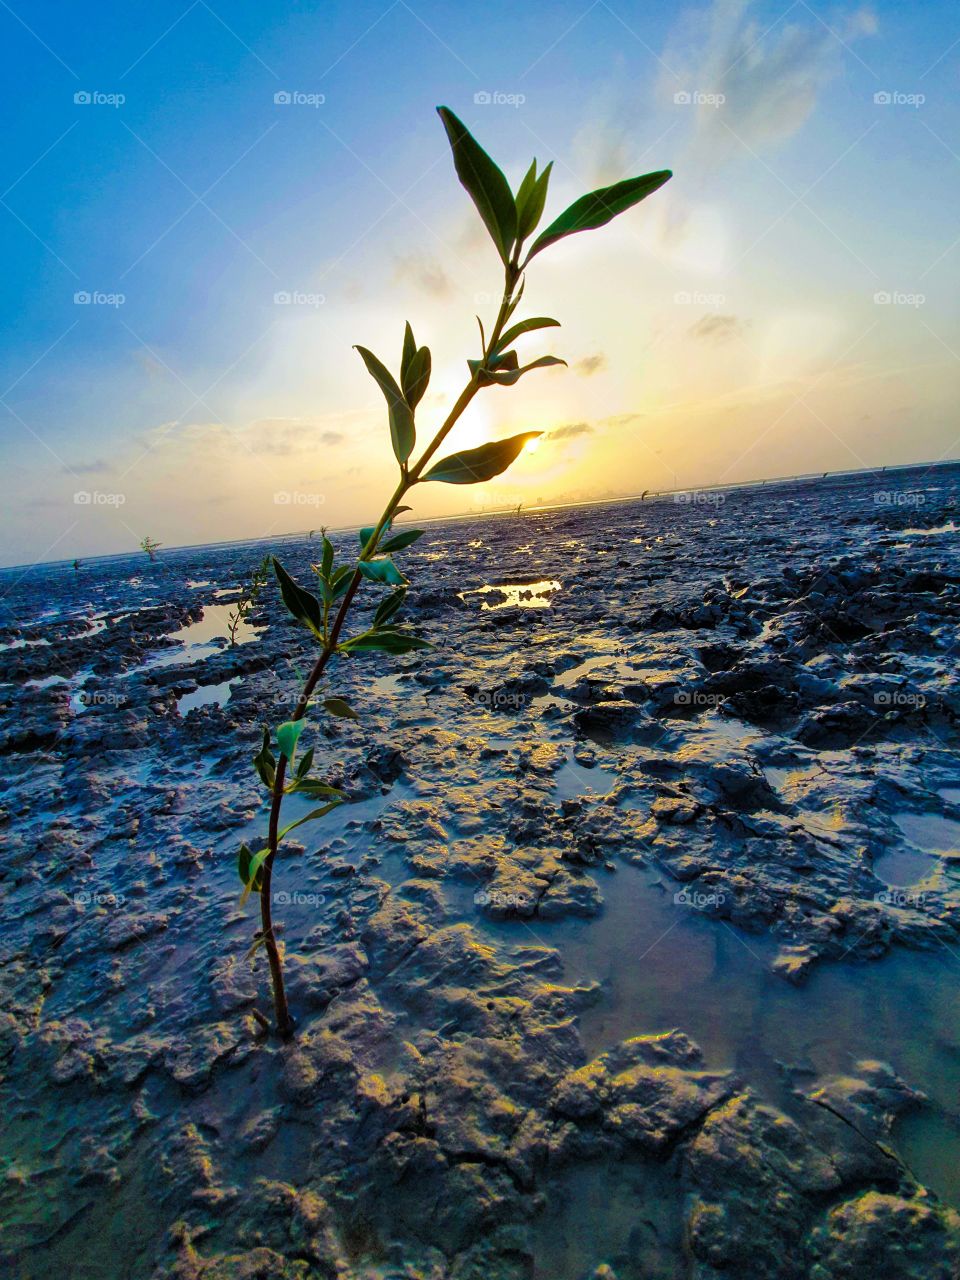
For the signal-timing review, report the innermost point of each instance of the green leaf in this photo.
(473, 466)
(288, 735)
(306, 763)
(388, 640)
(264, 762)
(314, 787)
(366, 534)
(508, 377)
(304, 606)
(416, 377)
(384, 571)
(401, 540)
(309, 817)
(389, 606)
(484, 183)
(525, 326)
(244, 861)
(402, 431)
(599, 207)
(326, 560)
(249, 866)
(340, 581)
(409, 351)
(531, 199)
(508, 360)
(339, 707)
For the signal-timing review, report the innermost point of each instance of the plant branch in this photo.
(409, 476)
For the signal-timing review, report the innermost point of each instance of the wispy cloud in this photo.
(570, 431)
(755, 85)
(716, 328)
(424, 273)
(590, 365)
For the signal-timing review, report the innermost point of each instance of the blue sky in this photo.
(728, 328)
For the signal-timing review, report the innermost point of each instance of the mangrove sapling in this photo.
(248, 600)
(151, 547)
(511, 219)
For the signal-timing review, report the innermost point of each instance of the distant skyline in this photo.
(204, 209)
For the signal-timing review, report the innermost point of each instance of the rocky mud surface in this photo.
(634, 957)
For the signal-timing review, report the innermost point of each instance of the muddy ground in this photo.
(634, 957)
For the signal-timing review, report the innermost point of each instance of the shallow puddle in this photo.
(205, 696)
(663, 963)
(523, 595)
(931, 832)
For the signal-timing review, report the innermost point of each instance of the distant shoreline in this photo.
(646, 494)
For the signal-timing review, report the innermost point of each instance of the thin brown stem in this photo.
(409, 477)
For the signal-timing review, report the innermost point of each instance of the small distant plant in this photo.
(510, 220)
(151, 547)
(248, 600)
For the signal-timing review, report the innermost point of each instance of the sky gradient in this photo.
(788, 303)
